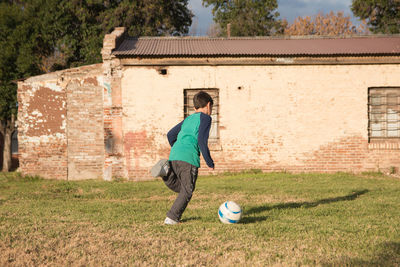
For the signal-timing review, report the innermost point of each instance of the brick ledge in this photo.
(384, 145)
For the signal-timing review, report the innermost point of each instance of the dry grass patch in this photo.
(289, 220)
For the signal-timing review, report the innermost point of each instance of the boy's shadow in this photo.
(190, 219)
(295, 205)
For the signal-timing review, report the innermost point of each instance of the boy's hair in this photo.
(201, 99)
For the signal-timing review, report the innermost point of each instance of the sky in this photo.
(288, 9)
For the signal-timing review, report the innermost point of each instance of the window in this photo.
(189, 109)
(14, 142)
(384, 113)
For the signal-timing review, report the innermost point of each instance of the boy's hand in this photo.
(211, 169)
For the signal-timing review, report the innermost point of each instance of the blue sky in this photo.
(288, 9)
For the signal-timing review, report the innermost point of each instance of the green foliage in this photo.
(383, 16)
(247, 17)
(8, 100)
(14, 57)
(38, 36)
(148, 17)
(74, 29)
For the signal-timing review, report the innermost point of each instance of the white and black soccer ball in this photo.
(229, 212)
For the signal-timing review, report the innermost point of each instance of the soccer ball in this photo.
(229, 212)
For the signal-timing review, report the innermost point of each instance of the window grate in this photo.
(384, 113)
(188, 109)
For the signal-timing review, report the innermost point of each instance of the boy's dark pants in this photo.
(181, 179)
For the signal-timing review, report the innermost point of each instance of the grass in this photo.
(290, 220)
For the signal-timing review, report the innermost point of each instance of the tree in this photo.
(38, 36)
(73, 30)
(329, 25)
(246, 17)
(7, 120)
(18, 44)
(214, 30)
(383, 16)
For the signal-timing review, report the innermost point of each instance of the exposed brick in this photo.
(85, 129)
(110, 120)
(61, 124)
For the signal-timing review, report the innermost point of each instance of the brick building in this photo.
(299, 105)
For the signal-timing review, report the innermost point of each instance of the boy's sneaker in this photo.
(160, 169)
(169, 221)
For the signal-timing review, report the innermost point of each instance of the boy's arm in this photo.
(204, 131)
(172, 135)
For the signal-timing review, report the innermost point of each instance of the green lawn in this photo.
(303, 219)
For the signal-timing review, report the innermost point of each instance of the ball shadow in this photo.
(295, 205)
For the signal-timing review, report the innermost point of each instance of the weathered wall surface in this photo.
(110, 120)
(114, 165)
(294, 118)
(85, 127)
(42, 127)
(60, 129)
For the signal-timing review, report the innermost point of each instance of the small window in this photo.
(384, 113)
(189, 109)
(14, 142)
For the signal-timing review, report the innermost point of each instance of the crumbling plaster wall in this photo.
(110, 119)
(61, 124)
(71, 120)
(273, 118)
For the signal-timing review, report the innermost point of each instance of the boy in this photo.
(187, 140)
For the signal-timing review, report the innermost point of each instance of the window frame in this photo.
(383, 93)
(188, 109)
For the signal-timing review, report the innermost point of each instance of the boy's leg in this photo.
(171, 180)
(187, 174)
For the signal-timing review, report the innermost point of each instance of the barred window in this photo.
(384, 113)
(189, 109)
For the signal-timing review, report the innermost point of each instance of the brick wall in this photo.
(274, 118)
(110, 120)
(71, 120)
(114, 165)
(85, 128)
(42, 128)
(61, 124)
(76, 124)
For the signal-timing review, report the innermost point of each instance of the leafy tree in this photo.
(38, 36)
(18, 44)
(383, 16)
(74, 29)
(329, 25)
(214, 30)
(8, 110)
(246, 17)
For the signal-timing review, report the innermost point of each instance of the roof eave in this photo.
(123, 55)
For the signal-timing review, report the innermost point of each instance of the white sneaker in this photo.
(170, 221)
(161, 168)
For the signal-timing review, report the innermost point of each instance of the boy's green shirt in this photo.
(191, 139)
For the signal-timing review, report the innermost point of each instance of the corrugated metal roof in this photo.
(225, 47)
